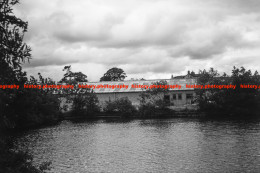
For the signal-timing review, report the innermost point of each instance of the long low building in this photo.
(177, 96)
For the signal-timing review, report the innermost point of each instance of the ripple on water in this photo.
(171, 145)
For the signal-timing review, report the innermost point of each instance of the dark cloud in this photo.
(142, 36)
(207, 47)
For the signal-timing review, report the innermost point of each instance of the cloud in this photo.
(144, 37)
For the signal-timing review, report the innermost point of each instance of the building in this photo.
(189, 75)
(178, 96)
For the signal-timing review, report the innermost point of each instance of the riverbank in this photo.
(161, 115)
(101, 115)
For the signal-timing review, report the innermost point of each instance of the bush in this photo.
(231, 102)
(122, 106)
(85, 105)
(147, 109)
(152, 101)
(14, 161)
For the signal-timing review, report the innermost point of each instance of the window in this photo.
(189, 96)
(167, 100)
(179, 96)
(174, 96)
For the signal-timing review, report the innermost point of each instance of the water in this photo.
(168, 145)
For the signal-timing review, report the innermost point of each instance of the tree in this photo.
(73, 77)
(33, 107)
(85, 103)
(206, 77)
(156, 95)
(123, 106)
(114, 74)
(15, 161)
(13, 52)
(231, 102)
(92, 103)
(152, 99)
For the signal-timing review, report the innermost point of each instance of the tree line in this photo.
(18, 106)
(239, 102)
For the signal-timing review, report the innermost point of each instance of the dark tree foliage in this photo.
(73, 77)
(13, 51)
(15, 104)
(27, 108)
(34, 107)
(122, 106)
(92, 103)
(84, 104)
(152, 100)
(84, 101)
(156, 91)
(114, 74)
(15, 161)
(238, 102)
(206, 77)
(147, 107)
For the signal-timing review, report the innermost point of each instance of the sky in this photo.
(151, 39)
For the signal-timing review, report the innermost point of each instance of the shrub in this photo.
(14, 161)
(85, 104)
(122, 105)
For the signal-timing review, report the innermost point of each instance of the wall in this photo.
(134, 98)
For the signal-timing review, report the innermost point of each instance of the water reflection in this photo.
(168, 145)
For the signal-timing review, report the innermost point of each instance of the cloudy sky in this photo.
(146, 38)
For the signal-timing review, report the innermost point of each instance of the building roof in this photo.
(107, 86)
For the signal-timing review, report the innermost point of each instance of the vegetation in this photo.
(73, 77)
(26, 108)
(153, 100)
(15, 161)
(33, 107)
(114, 74)
(122, 106)
(84, 100)
(19, 108)
(229, 102)
(85, 104)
